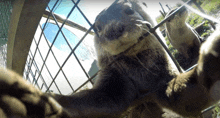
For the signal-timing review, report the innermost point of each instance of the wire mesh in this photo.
(54, 68)
(64, 69)
(5, 13)
(3, 55)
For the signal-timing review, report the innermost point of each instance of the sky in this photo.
(93, 7)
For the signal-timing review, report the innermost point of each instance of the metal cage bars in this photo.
(5, 11)
(50, 50)
(3, 53)
(33, 56)
(73, 49)
(33, 62)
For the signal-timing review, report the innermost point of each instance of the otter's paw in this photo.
(177, 85)
(18, 98)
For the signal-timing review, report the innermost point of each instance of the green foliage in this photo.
(206, 27)
(216, 112)
(217, 109)
(194, 19)
(211, 6)
(173, 51)
(207, 33)
(159, 19)
(179, 57)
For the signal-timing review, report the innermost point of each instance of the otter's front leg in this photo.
(20, 99)
(193, 91)
(111, 95)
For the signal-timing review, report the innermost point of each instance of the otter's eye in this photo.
(129, 11)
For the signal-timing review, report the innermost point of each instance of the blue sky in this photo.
(62, 8)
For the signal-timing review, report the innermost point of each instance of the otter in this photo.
(181, 35)
(135, 73)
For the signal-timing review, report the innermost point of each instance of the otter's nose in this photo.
(114, 31)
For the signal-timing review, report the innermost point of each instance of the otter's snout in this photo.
(115, 30)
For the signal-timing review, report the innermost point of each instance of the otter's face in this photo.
(179, 18)
(119, 27)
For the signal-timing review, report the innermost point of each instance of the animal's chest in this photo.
(147, 71)
(183, 34)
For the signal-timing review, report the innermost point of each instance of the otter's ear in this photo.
(143, 11)
(144, 4)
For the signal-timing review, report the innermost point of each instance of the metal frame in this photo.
(25, 17)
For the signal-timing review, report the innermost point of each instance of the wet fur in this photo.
(142, 79)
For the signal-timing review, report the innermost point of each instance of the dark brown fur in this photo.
(142, 78)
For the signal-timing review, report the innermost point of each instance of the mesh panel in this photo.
(61, 55)
(5, 12)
